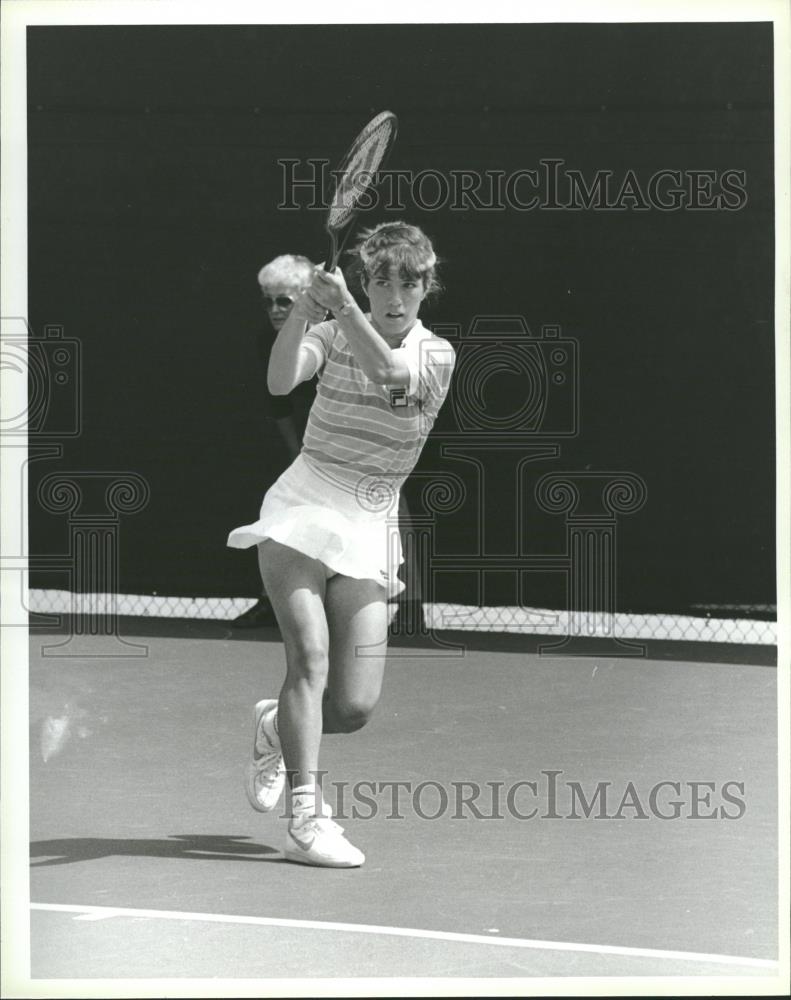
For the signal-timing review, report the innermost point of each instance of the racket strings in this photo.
(359, 174)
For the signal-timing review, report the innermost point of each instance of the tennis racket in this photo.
(356, 176)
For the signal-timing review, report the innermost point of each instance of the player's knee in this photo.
(309, 662)
(353, 713)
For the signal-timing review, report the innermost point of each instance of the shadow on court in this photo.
(160, 742)
(189, 847)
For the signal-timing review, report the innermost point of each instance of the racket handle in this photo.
(332, 259)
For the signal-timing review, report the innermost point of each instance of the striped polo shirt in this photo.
(357, 428)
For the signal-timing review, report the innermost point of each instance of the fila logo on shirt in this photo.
(398, 396)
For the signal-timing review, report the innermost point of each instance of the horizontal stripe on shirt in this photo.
(355, 425)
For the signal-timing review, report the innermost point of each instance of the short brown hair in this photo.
(397, 245)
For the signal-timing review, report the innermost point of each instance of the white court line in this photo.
(107, 912)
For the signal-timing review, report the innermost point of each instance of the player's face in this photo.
(395, 301)
(279, 297)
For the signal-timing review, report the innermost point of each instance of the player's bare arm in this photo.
(371, 351)
(289, 362)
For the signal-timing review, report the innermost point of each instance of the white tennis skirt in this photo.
(353, 532)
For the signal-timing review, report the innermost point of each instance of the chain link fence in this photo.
(587, 506)
(731, 623)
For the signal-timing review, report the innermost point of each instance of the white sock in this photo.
(303, 801)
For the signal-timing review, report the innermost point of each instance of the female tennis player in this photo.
(327, 533)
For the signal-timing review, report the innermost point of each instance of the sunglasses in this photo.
(281, 301)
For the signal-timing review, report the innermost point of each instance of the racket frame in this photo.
(339, 234)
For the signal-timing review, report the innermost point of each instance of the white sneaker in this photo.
(266, 772)
(316, 840)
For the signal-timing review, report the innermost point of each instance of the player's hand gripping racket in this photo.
(355, 176)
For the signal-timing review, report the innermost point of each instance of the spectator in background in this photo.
(281, 281)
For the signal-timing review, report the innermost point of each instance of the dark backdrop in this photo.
(153, 193)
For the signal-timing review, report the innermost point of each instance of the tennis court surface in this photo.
(533, 831)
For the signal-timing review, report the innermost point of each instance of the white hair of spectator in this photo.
(288, 269)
